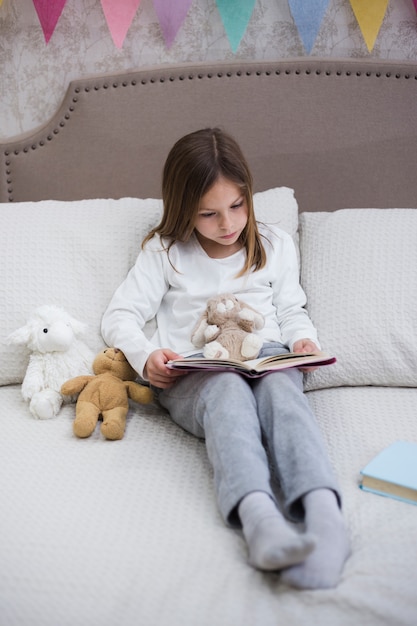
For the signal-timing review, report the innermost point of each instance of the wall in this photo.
(34, 76)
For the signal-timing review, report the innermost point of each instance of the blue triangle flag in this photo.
(308, 16)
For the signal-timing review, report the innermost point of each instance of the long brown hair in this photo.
(194, 164)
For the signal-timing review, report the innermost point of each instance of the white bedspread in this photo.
(126, 533)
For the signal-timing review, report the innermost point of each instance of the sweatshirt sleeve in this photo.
(134, 303)
(290, 299)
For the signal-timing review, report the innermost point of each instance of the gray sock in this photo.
(272, 543)
(322, 568)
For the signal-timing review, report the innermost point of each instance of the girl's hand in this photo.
(156, 370)
(303, 346)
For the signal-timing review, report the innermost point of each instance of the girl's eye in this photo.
(237, 205)
(206, 214)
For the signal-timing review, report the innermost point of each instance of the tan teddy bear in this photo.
(106, 394)
(225, 329)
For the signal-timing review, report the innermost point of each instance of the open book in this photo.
(255, 367)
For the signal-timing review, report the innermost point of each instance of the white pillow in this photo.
(358, 269)
(75, 254)
(71, 254)
(279, 207)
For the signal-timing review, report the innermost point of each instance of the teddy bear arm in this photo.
(259, 321)
(198, 335)
(246, 325)
(212, 332)
(138, 393)
(75, 385)
(250, 319)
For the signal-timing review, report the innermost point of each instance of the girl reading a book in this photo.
(208, 242)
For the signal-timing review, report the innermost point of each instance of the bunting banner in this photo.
(370, 15)
(235, 16)
(415, 4)
(308, 16)
(48, 14)
(171, 15)
(119, 16)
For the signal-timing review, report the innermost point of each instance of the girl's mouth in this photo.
(228, 236)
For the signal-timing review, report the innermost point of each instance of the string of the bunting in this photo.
(370, 18)
(308, 16)
(235, 15)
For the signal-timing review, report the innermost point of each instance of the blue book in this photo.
(393, 472)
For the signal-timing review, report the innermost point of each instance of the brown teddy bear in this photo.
(224, 330)
(105, 394)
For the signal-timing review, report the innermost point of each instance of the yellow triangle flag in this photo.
(370, 14)
(1, 2)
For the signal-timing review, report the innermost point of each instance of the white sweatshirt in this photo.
(175, 288)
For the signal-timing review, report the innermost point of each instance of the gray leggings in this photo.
(238, 417)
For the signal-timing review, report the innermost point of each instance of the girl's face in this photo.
(222, 216)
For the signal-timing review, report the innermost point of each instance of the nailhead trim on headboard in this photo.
(273, 69)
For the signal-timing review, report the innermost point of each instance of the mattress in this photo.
(95, 532)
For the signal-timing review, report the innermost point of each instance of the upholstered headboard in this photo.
(342, 133)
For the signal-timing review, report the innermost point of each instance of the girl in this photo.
(208, 242)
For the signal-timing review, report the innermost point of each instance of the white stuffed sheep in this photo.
(57, 354)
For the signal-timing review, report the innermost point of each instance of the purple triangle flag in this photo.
(171, 15)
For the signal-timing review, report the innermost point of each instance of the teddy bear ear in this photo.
(19, 336)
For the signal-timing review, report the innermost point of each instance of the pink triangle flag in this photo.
(119, 15)
(49, 12)
(171, 15)
(415, 4)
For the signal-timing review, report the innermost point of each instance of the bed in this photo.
(127, 532)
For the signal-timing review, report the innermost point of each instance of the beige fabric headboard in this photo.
(342, 133)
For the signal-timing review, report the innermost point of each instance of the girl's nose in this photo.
(225, 222)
